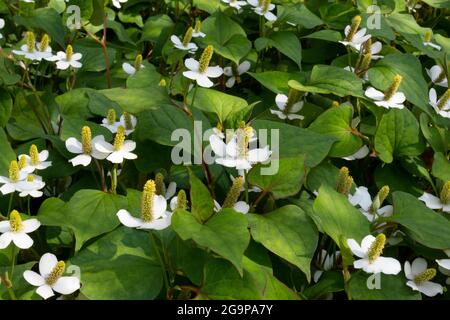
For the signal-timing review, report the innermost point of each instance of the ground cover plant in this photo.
(224, 149)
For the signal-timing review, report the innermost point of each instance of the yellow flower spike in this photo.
(111, 116)
(243, 133)
(160, 185)
(147, 201)
(187, 36)
(344, 182)
(234, 193)
(30, 178)
(379, 199)
(31, 41)
(128, 122)
(445, 193)
(15, 221)
(34, 155)
(162, 83)
(335, 104)
(138, 62)
(56, 273)
(428, 36)
(376, 249)
(444, 100)
(205, 58)
(198, 25)
(69, 52)
(22, 162)
(354, 27)
(293, 97)
(119, 138)
(426, 275)
(181, 200)
(393, 88)
(265, 6)
(14, 171)
(86, 140)
(45, 40)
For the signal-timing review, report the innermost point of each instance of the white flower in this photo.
(444, 266)
(2, 25)
(15, 230)
(262, 10)
(35, 53)
(31, 186)
(437, 76)
(395, 101)
(362, 198)
(236, 3)
(281, 101)
(358, 38)
(360, 154)
(86, 149)
(236, 153)
(120, 150)
(190, 46)
(239, 206)
(240, 70)
(370, 253)
(128, 68)
(50, 277)
(427, 41)
(129, 127)
(10, 184)
(202, 78)
(66, 59)
(38, 163)
(252, 189)
(117, 3)
(327, 262)
(434, 202)
(375, 49)
(443, 110)
(419, 278)
(412, 6)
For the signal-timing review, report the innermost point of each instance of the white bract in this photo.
(362, 198)
(31, 186)
(35, 53)
(86, 149)
(126, 120)
(419, 278)
(360, 154)
(375, 49)
(434, 202)
(118, 3)
(129, 69)
(392, 98)
(10, 183)
(50, 277)
(202, 78)
(15, 230)
(441, 106)
(120, 150)
(444, 266)
(36, 161)
(153, 211)
(239, 206)
(327, 262)
(263, 8)
(177, 43)
(437, 76)
(235, 74)
(2, 25)
(290, 113)
(67, 59)
(354, 37)
(370, 253)
(235, 3)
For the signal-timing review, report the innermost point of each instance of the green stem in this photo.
(12, 295)
(114, 179)
(13, 259)
(29, 206)
(11, 197)
(161, 261)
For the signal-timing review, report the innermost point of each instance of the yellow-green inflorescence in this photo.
(379, 199)
(293, 97)
(243, 134)
(234, 193)
(14, 171)
(181, 200)
(138, 62)
(265, 6)
(444, 100)
(160, 185)
(119, 139)
(34, 155)
(22, 162)
(128, 122)
(445, 193)
(198, 25)
(426, 275)
(86, 140)
(442, 76)
(111, 116)
(147, 201)
(30, 178)
(354, 27)
(15, 221)
(187, 37)
(344, 182)
(376, 249)
(45, 40)
(69, 52)
(56, 273)
(393, 88)
(31, 41)
(205, 58)
(428, 36)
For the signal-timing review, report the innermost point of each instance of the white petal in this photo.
(74, 146)
(82, 159)
(30, 225)
(203, 81)
(387, 265)
(408, 270)
(243, 67)
(159, 206)
(356, 248)
(296, 107)
(128, 220)
(281, 100)
(115, 157)
(66, 285)
(294, 116)
(214, 72)
(386, 211)
(418, 266)
(279, 113)
(367, 242)
(230, 82)
(128, 146)
(259, 155)
(33, 278)
(158, 224)
(270, 16)
(76, 56)
(192, 64)
(5, 226)
(45, 291)
(431, 201)
(46, 264)
(430, 289)
(62, 65)
(444, 263)
(103, 146)
(374, 94)
(5, 239)
(22, 240)
(398, 98)
(176, 41)
(242, 207)
(193, 75)
(228, 71)
(171, 189)
(173, 203)
(217, 145)
(128, 68)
